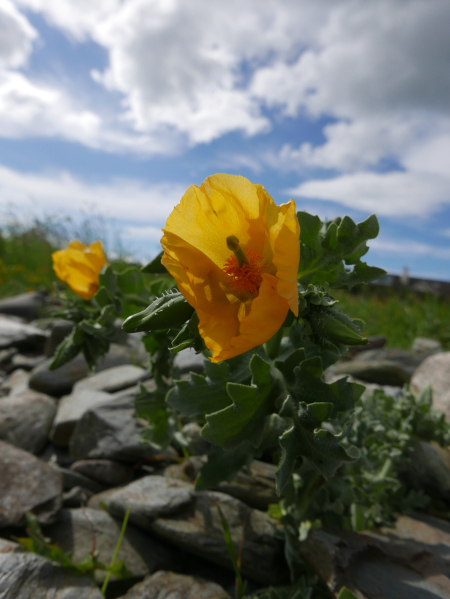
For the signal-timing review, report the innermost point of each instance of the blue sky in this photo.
(116, 107)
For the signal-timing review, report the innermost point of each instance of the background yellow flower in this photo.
(79, 266)
(241, 298)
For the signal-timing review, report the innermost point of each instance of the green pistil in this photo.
(233, 245)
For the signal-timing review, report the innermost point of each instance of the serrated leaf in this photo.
(224, 464)
(244, 418)
(305, 384)
(204, 394)
(68, 349)
(320, 447)
(325, 249)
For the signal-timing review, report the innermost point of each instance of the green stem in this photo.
(116, 550)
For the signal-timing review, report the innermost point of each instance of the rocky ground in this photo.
(70, 452)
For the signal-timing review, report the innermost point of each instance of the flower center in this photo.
(243, 268)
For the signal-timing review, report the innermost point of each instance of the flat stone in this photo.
(149, 498)
(111, 432)
(25, 362)
(383, 366)
(113, 379)
(6, 355)
(255, 486)
(61, 381)
(27, 484)
(79, 530)
(435, 371)
(26, 420)
(198, 530)
(188, 361)
(428, 470)
(175, 586)
(76, 497)
(176, 513)
(59, 329)
(107, 472)
(376, 566)
(17, 382)
(7, 546)
(20, 335)
(71, 408)
(425, 344)
(75, 479)
(26, 576)
(197, 445)
(25, 305)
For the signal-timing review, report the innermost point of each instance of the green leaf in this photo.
(170, 310)
(203, 394)
(319, 446)
(162, 421)
(244, 418)
(107, 278)
(325, 248)
(224, 464)
(155, 266)
(131, 281)
(68, 349)
(346, 593)
(304, 382)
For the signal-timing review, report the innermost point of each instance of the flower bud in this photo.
(335, 327)
(166, 312)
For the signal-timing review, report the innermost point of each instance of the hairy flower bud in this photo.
(335, 327)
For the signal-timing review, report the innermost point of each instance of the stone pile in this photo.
(71, 453)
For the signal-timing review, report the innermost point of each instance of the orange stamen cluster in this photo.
(246, 278)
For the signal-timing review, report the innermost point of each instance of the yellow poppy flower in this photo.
(79, 266)
(234, 254)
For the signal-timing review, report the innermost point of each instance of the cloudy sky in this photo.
(116, 106)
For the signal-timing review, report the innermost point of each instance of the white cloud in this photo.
(391, 194)
(407, 247)
(16, 36)
(124, 199)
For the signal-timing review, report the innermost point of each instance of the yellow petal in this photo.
(259, 320)
(79, 266)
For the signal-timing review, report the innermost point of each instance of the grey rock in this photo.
(76, 497)
(148, 498)
(198, 529)
(16, 383)
(26, 362)
(255, 486)
(26, 420)
(424, 344)
(61, 381)
(377, 566)
(197, 445)
(71, 408)
(6, 355)
(175, 586)
(107, 472)
(53, 454)
(429, 470)
(79, 531)
(110, 432)
(172, 510)
(7, 546)
(113, 379)
(26, 576)
(382, 366)
(59, 330)
(188, 361)
(25, 305)
(131, 392)
(75, 479)
(20, 335)
(27, 484)
(435, 371)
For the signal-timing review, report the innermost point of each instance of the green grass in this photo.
(398, 314)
